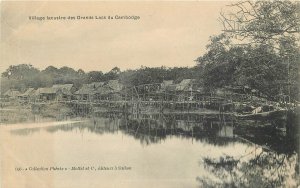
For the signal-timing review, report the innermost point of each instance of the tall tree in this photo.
(262, 22)
(258, 47)
(21, 71)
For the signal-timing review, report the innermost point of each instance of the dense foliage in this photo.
(24, 76)
(259, 48)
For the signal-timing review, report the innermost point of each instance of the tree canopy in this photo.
(259, 47)
(24, 76)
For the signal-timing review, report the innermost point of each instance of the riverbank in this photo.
(62, 111)
(15, 113)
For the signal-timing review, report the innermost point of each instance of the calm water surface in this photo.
(151, 154)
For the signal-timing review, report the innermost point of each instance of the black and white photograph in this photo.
(149, 94)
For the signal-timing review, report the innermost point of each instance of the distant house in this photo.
(103, 93)
(168, 86)
(57, 92)
(109, 91)
(115, 85)
(185, 85)
(63, 91)
(96, 84)
(99, 90)
(88, 91)
(27, 95)
(84, 93)
(166, 83)
(11, 94)
(185, 89)
(45, 94)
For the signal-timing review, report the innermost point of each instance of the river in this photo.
(111, 151)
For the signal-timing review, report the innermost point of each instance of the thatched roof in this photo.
(115, 85)
(89, 89)
(45, 90)
(96, 84)
(64, 88)
(85, 90)
(100, 88)
(166, 83)
(104, 90)
(185, 84)
(12, 93)
(28, 92)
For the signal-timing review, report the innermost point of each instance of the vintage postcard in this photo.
(149, 94)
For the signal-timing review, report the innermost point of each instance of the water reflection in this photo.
(264, 169)
(150, 131)
(19, 115)
(268, 137)
(152, 128)
(227, 155)
(25, 132)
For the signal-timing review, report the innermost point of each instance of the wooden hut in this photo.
(63, 92)
(84, 93)
(45, 94)
(184, 89)
(103, 93)
(168, 88)
(28, 95)
(115, 85)
(185, 85)
(11, 94)
(87, 91)
(109, 91)
(166, 83)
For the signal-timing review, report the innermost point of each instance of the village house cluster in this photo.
(113, 90)
(110, 90)
(64, 92)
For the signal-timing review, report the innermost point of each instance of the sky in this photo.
(166, 34)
